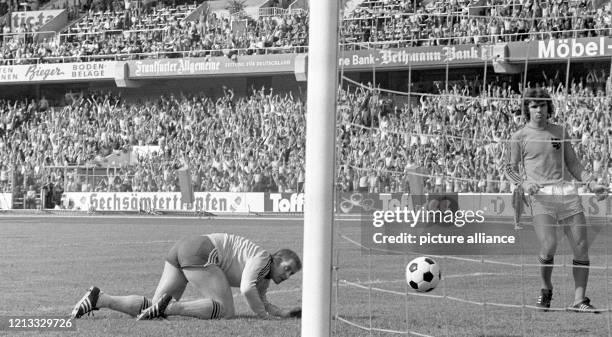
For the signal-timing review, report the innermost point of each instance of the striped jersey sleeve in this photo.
(265, 271)
(255, 275)
(255, 270)
(246, 265)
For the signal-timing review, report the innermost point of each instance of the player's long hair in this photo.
(537, 94)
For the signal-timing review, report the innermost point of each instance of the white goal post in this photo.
(320, 167)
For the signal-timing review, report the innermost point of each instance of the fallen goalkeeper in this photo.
(213, 264)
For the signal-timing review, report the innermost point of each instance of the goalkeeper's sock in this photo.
(580, 271)
(202, 309)
(131, 304)
(546, 269)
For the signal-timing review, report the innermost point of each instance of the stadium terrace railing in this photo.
(154, 55)
(346, 45)
(112, 31)
(280, 12)
(79, 37)
(542, 4)
(272, 11)
(237, 15)
(49, 35)
(378, 6)
(484, 38)
(460, 15)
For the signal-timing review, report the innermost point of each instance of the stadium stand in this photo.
(109, 30)
(394, 23)
(158, 32)
(379, 142)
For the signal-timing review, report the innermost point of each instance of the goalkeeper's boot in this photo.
(157, 310)
(87, 304)
(543, 302)
(584, 306)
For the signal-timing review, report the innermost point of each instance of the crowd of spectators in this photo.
(458, 136)
(252, 143)
(115, 30)
(157, 32)
(398, 23)
(256, 143)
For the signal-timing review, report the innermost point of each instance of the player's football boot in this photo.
(584, 306)
(543, 302)
(87, 304)
(157, 310)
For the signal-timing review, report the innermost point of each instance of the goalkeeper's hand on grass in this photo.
(295, 312)
(268, 316)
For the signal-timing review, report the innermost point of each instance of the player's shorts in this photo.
(193, 251)
(560, 201)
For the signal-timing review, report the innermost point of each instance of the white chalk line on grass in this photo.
(297, 217)
(379, 281)
(126, 243)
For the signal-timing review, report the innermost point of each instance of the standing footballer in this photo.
(213, 264)
(550, 168)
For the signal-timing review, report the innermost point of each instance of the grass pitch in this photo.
(49, 262)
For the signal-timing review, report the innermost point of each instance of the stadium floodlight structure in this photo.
(320, 163)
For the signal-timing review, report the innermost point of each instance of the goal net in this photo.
(440, 137)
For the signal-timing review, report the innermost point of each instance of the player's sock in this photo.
(145, 304)
(546, 269)
(131, 304)
(202, 309)
(580, 272)
(157, 309)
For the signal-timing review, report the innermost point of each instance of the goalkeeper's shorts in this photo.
(193, 251)
(560, 201)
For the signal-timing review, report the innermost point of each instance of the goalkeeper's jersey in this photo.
(546, 154)
(243, 262)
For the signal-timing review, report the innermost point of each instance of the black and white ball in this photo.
(423, 274)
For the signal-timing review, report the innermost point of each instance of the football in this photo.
(423, 274)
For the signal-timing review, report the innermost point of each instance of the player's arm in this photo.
(254, 271)
(574, 166)
(272, 309)
(577, 170)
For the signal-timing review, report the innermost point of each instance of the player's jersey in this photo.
(546, 153)
(241, 260)
(245, 265)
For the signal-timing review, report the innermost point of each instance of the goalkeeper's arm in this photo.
(272, 309)
(285, 313)
(256, 299)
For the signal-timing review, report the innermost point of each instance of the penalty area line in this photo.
(282, 291)
(297, 217)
